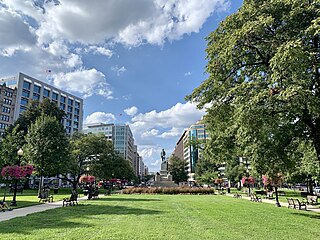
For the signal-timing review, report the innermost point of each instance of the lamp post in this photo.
(14, 202)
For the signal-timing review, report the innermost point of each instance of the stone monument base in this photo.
(164, 184)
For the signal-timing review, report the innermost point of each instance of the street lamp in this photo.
(14, 202)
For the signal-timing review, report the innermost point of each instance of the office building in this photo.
(192, 153)
(22, 89)
(120, 135)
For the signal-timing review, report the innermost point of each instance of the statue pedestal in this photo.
(164, 179)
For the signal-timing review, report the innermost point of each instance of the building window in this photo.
(7, 101)
(68, 130)
(55, 96)
(46, 92)
(77, 104)
(22, 109)
(6, 109)
(36, 96)
(55, 102)
(62, 106)
(62, 99)
(24, 101)
(5, 118)
(68, 123)
(36, 89)
(76, 111)
(70, 101)
(3, 125)
(75, 125)
(26, 85)
(25, 93)
(76, 118)
(69, 109)
(8, 94)
(69, 115)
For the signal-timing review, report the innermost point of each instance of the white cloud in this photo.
(101, 51)
(100, 117)
(169, 123)
(173, 132)
(83, 81)
(187, 73)
(131, 111)
(128, 22)
(151, 133)
(15, 33)
(118, 70)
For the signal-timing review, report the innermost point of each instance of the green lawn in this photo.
(30, 197)
(165, 217)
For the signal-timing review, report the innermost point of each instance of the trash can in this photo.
(228, 190)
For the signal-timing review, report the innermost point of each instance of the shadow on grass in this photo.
(79, 216)
(307, 214)
(111, 199)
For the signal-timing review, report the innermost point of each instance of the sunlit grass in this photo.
(165, 217)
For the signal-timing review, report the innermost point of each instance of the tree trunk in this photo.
(277, 197)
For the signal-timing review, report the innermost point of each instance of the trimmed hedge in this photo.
(168, 190)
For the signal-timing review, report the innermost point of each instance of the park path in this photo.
(21, 212)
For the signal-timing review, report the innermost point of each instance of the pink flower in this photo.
(16, 171)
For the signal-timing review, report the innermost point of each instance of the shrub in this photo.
(168, 190)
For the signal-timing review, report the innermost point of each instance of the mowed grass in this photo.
(29, 197)
(165, 217)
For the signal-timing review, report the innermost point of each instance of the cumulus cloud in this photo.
(128, 22)
(100, 117)
(187, 73)
(173, 132)
(131, 111)
(84, 81)
(169, 123)
(15, 33)
(151, 133)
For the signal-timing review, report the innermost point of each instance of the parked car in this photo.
(316, 191)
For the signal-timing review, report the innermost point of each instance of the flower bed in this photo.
(168, 190)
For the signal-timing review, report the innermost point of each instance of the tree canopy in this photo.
(264, 84)
(178, 169)
(47, 146)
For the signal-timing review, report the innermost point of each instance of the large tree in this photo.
(178, 169)
(47, 146)
(36, 109)
(264, 83)
(94, 154)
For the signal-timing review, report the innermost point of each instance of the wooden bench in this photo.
(71, 201)
(255, 198)
(94, 194)
(290, 203)
(299, 205)
(311, 200)
(45, 196)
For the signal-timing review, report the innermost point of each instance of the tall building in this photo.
(7, 106)
(179, 148)
(120, 135)
(123, 141)
(24, 89)
(191, 153)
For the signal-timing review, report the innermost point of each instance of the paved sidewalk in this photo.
(312, 208)
(21, 212)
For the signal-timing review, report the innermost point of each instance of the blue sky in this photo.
(133, 61)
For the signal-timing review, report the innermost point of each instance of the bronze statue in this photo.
(163, 155)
